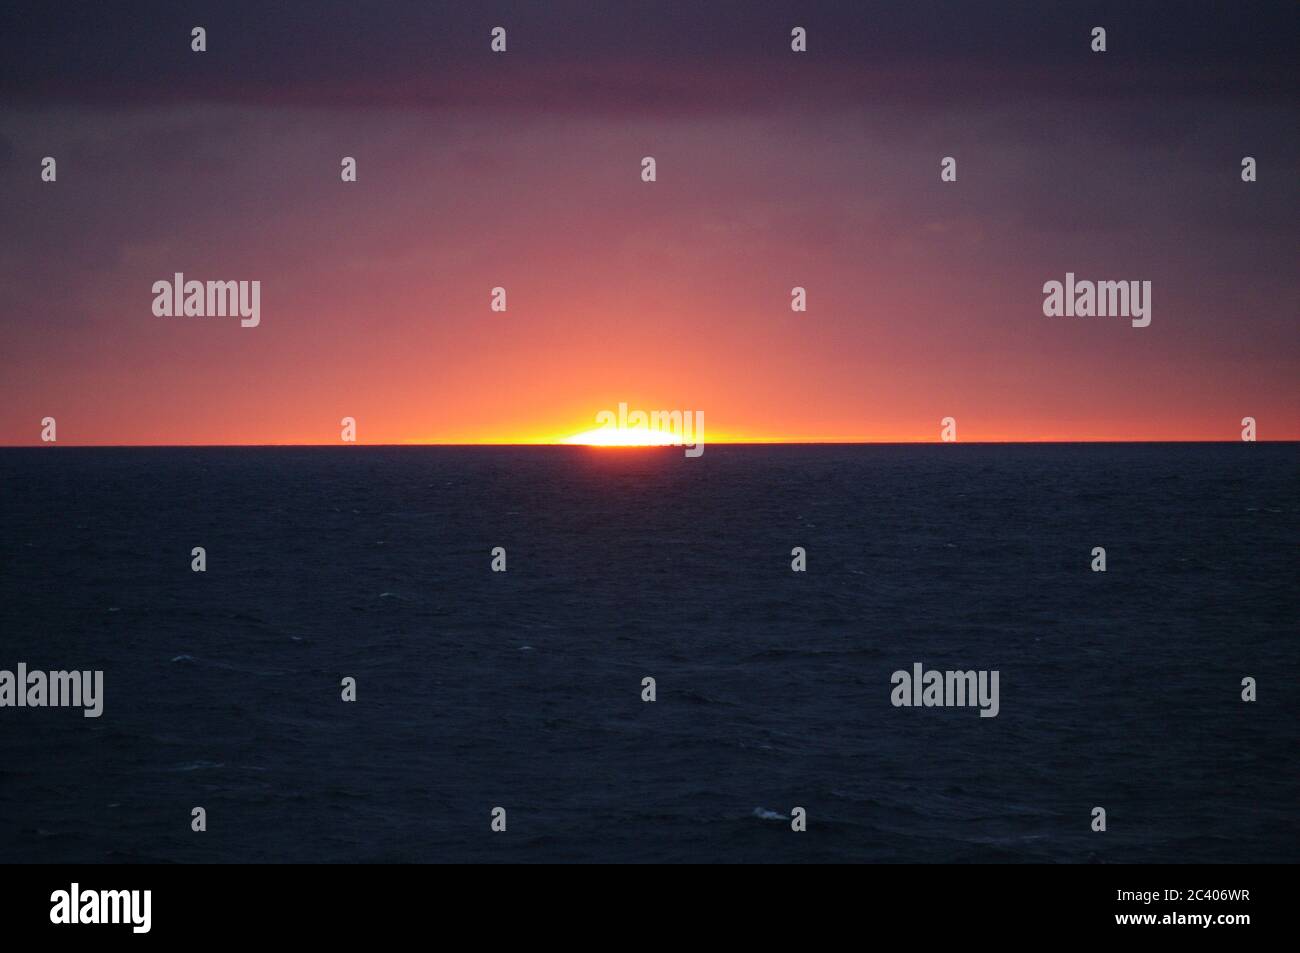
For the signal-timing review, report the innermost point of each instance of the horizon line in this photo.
(584, 446)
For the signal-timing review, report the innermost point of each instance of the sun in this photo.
(624, 437)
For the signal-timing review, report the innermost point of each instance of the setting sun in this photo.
(624, 437)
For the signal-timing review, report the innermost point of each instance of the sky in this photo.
(522, 170)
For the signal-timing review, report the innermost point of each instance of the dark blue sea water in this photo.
(523, 689)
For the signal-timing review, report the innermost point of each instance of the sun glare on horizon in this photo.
(624, 437)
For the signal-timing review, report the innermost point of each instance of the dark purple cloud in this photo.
(639, 57)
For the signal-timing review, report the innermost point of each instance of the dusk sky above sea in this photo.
(522, 170)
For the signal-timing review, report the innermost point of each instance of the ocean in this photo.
(523, 689)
